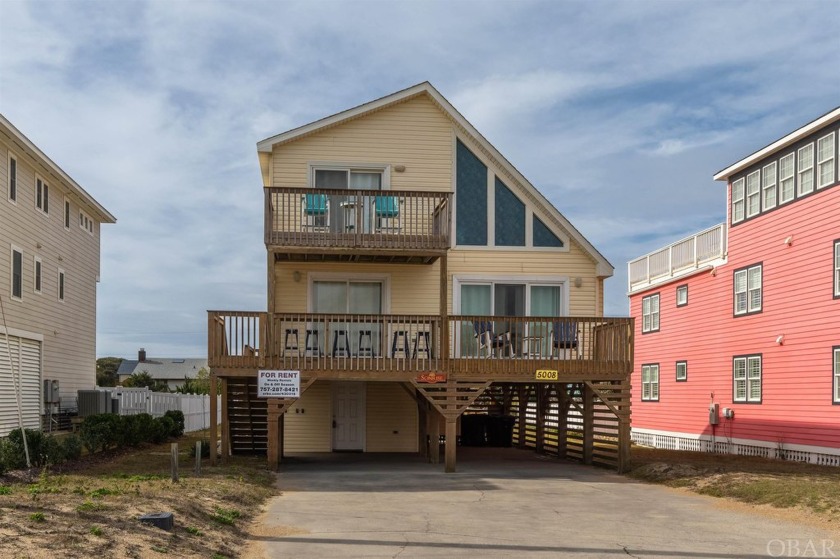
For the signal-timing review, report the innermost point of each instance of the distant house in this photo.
(738, 326)
(171, 370)
(49, 268)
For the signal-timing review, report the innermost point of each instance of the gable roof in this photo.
(26, 146)
(163, 368)
(265, 147)
(781, 143)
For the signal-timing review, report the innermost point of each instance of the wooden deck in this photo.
(405, 347)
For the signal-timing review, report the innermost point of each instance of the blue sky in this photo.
(619, 112)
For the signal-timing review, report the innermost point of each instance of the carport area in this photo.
(501, 503)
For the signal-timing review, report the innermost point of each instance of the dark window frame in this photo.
(16, 274)
(747, 269)
(658, 382)
(651, 330)
(677, 368)
(746, 358)
(677, 295)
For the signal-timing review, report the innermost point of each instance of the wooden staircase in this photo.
(247, 417)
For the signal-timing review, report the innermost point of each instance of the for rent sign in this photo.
(278, 384)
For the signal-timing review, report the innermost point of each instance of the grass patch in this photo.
(37, 517)
(96, 531)
(225, 516)
(5, 490)
(193, 531)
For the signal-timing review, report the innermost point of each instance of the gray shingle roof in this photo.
(163, 368)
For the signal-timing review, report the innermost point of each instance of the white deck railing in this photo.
(676, 259)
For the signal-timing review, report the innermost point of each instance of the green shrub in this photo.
(162, 426)
(100, 431)
(52, 451)
(177, 417)
(34, 443)
(72, 447)
(135, 430)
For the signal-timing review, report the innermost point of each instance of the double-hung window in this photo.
(747, 290)
(650, 382)
(42, 195)
(836, 352)
(768, 185)
(650, 313)
(12, 179)
(786, 180)
(837, 268)
(825, 160)
(17, 273)
(805, 163)
(746, 374)
(737, 200)
(753, 193)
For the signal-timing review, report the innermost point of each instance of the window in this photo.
(682, 295)
(12, 179)
(836, 350)
(737, 200)
(36, 279)
(650, 383)
(786, 190)
(85, 222)
(768, 186)
(746, 373)
(825, 160)
(747, 289)
(509, 217)
(650, 313)
(60, 284)
(805, 162)
(682, 371)
(753, 193)
(17, 273)
(42, 195)
(470, 198)
(837, 269)
(543, 236)
(66, 213)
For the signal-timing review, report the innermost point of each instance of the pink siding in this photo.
(798, 302)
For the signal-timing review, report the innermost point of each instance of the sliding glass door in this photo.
(362, 337)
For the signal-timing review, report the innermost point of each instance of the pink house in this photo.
(737, 341)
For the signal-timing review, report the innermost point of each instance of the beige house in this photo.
(49, 230)
(415, 275)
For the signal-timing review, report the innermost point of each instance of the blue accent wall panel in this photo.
(470, 198)
(543, 237)
(510, 217)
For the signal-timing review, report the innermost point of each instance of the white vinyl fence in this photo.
(195, 407)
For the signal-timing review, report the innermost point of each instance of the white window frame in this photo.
(837, 269)
(37, 275)
(825, 160)
(383, 168)
(681, 371)
(682, 295)
(746, 376)
(12, 178)
(651, 317)
(650, 382)
(42, 195)
(836, 360)
(754, 193)
(738, 200)
(85, 222)
(769, 191)
(15, 249)
(744, 283)
(787, 165)
(61, 287)
(805, 169)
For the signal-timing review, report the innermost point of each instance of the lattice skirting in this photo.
(765, 450)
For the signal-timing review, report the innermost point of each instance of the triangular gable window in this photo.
(543, 237)
(510, 217)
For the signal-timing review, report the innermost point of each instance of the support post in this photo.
(223, 386)
(444, 313)
(451, 443)
(423, 423)
(524, 396)
(588, 423)
(562, 422)
(197, 458)
(173, 461)
(214, 423)
(434, 434)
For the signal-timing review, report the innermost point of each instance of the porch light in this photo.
(296, 276)
(789, 240)
(780, 340)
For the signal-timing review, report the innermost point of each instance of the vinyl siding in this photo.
(391, 419)
(310, 431)
(797, 302)
(69, 327)
(414, 133)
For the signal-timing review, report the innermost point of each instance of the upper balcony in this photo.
(686, 256)
(305, 224)
(406, 347)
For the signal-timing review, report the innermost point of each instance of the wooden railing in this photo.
(477, 345)
(682, 256)
(370, 219)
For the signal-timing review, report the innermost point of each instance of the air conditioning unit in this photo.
(92, 402)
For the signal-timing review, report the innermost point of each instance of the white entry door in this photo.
(349, 416)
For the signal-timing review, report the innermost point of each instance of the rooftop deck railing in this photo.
(360, 219)
(677, 258)
(483, 346)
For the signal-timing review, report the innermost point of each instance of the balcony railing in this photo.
(358, 219)
(478, 346)
(679, 258)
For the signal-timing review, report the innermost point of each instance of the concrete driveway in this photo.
(505, 503)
